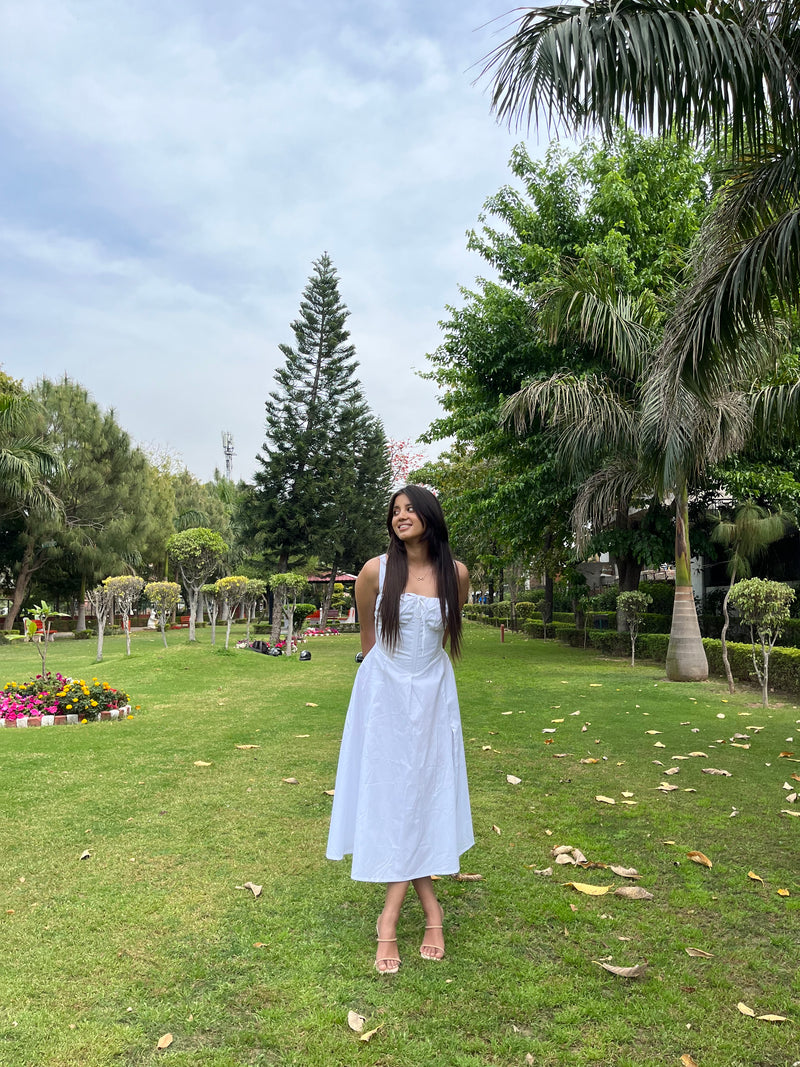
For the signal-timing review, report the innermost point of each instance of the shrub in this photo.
(82, 635)
(663, 594)
(301, 611)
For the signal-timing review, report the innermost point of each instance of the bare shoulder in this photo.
(369, 575)
(463, 581)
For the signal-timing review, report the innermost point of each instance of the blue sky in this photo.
(171, 168)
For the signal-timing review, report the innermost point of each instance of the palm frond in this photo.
(661, 64)
(604, 495)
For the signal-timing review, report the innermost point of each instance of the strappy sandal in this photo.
(436, 948)
(386, 959)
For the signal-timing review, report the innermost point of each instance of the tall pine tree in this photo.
(322, 447)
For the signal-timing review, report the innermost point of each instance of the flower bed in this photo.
(49, 699)
(317, 631)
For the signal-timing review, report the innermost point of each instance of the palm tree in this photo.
(634, 432)
(725, 74)
(747, 535)
(26, 460)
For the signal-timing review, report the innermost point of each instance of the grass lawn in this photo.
(150, 935)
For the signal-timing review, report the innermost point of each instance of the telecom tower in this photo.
(227, 448)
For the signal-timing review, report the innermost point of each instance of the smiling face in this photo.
(406, 523)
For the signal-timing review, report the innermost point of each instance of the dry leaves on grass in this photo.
(513, 780)
(290, 781)
(589, 890)
(497, 829)
(164, 1041)
(687, 1061)
(605, 800)
(85, 855)
(624, 972)
(328, 792)
(633, 892)
(248, 746)
(355, 1021)
(700, 953)
(755, 877)
(310, 705)
(462, 877)
(570, 854)
(743, 1008)
(667, 787)
(254, 889)
(201, 763)
(716, 770)
(624, 872)
(785, 811)
(701, 858)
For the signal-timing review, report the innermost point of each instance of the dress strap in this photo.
(382, 574)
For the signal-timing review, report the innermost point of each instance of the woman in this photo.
(401, 805)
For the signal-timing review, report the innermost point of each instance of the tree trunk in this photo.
(80, 623)
(162, 620)
(21, 586)
(722, 637)
(279, 599)
(194, 592)
(629, 571)
(325, 606)
(686, 657)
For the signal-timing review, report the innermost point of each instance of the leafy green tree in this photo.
(746, 535)
(164, 596)
(764, 606)
(632, 606)
(286, 587)
(104, 486)
(315, 419)
(102, 601)
(125, 591)
(255, 594)
(231, 593)
(196, 554)
(27, 460)
(722, 73)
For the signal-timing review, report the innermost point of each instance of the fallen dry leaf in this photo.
(667, 787)
(624, 972)
(328, 792)
(589, 890)
(290, 781)
(565, 857)
(755, 877)
(702, 755)
(512, 779)
(201, 763)
(496, 829)
(659, 744)
(743, 1008)
(296, 735)
(85, 855)
(626, 793)
(605, 800)
(624, 872)
(773, 1018)
(371, 1033)
(652, 731)
(785, 755)
(687, 1060)
(529, 1059)
(260, 944)
(672, 770)
(633, 892)
(254, 889)
(699, 857)
(785, 811)
(164, 1041)
(355, 1021)
(248, 746)
(700, 953)
(589, 759)
(310, 705)
(468, 877)
(595, 685)
(715, 770)
(783, 892)
(546, 872)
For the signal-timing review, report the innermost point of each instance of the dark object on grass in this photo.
(359, 657)
(305, 654)
(275, 652)
(260, 646)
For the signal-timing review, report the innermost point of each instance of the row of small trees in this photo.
(763, 606)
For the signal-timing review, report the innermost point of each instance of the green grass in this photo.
(150, 934)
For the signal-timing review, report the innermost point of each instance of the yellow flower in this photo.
(94, 703)
(69, 706)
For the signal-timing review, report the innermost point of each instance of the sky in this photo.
(172, 168)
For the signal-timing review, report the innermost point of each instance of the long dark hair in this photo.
(429, 510)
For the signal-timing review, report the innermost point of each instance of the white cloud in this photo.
(173, 170)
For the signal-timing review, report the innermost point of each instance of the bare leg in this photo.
(433, 941)
(387, 926)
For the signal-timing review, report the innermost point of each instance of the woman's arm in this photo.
(366, 596)
(463, 582)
